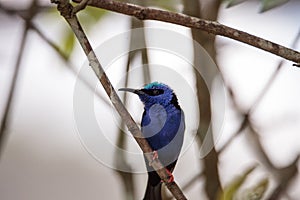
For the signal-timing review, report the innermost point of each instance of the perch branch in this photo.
(66, 10)
(144, 13)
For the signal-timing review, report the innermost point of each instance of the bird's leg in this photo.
(154, 157)
(171, 177)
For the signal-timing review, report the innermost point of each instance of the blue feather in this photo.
(163, 127)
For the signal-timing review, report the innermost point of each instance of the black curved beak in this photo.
(135, 91)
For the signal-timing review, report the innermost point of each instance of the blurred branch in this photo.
(144, 13)
(135, 38)
(120, 157)
(121, 140)
(193, 180)
(244, 123)
(61, 54)
(258, 147)
(23, 13)
(7, 110)
(283, 176)
(64, 57)
(240, 129)
(273, 77)
(210, 161)
(66, 10)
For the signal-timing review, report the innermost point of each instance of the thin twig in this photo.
(239, 130)
(258, 147)
(10, 99)
(66, 10)
(272, 79)
(144, 13)
(24, 12)
(244, 124)
(193, 180)
(61, 54)
(284, 176)
(67, 62)
(15, 77)
(212, 183)
(120, 158)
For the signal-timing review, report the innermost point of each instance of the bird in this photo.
(163, 126)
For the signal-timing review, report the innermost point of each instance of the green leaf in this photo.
(232, 3)
(258, 191)
(68, 43)
(270, 4)
(94, 13)
(90, 16)
(231, 190)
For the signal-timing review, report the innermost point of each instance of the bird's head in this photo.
(155, 93)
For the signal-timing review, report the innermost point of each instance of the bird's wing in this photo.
(153, 120)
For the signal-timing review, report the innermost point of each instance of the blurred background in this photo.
(255, 152)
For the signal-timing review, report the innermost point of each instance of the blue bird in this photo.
(163, 127)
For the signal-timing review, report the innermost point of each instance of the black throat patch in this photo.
(174, 101)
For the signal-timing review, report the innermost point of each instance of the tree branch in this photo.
(144, 13)
(66, 10)
(212, 183)
(7, 110)
(272, 79)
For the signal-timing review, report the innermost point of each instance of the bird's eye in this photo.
(153, 92)
(157, 92)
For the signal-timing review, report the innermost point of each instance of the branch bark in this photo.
(66, 10)
(215, 28)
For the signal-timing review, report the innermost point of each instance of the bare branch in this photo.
(284, 176)
(144, 13)
(272, 79)
(212, 183)
(120, 158)
(66, 10)
(10, 98)
(61, 54)
(193, 180)
(239, 130)
(7, 110)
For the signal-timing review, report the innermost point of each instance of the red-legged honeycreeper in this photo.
(163, 127)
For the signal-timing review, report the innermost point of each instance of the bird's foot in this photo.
(170, 177)
(154, 157)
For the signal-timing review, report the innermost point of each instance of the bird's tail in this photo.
(153, 192)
